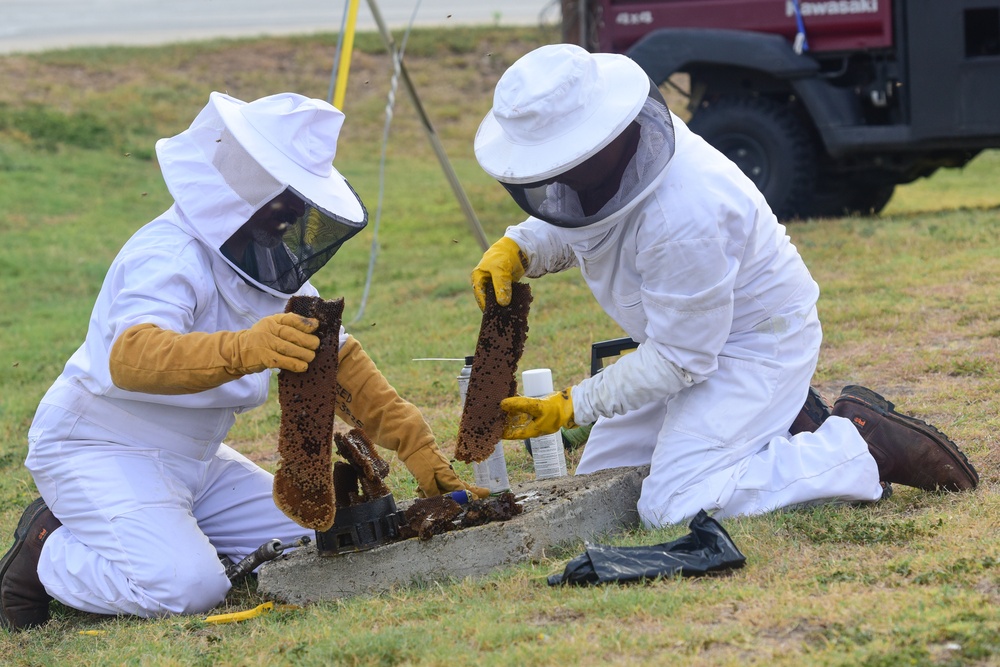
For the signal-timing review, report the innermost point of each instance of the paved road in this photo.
(35, 25)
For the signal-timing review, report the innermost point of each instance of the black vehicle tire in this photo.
(769, 143)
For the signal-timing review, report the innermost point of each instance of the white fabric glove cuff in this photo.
(634, 380)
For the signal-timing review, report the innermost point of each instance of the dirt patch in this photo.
(558, 616)
(140, 87)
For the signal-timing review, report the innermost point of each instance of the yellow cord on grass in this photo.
(238, 616)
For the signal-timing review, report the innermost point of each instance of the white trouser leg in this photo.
(236, 509)
(624, 440)
(153, 572)
(723, 446)
(131, 540)
(832, 464)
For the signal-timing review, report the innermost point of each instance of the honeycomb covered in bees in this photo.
(502, 334)
(303, 482)
(427, 517)
(495, 508)
(345, 485)
(368, 467)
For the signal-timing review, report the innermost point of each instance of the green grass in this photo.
(909, 304)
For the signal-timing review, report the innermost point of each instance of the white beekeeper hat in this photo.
(294, 138)
(555, 107)
(236, 157)
(290, 140)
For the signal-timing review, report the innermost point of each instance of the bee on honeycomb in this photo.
(498, 351)
(303, 482)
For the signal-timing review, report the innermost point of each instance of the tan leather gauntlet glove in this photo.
(367, 401)
(152, 360)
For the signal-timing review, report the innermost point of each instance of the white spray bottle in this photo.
(546, 450)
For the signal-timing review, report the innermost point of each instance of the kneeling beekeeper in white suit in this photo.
(141, 497)
(682, 251)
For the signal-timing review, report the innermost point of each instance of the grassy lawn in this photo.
(909, 303)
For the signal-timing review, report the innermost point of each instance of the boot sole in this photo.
(870, 399)
(20, 537)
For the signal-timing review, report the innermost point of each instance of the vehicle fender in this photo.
(663, 52)
(833, 111)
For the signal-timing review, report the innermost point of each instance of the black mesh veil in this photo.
(560, 200)
(283, 252)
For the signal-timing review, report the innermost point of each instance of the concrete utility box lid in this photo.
(556, 511)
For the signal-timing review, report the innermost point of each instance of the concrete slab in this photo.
(556, 512)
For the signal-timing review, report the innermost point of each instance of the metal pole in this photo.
(337, 54)
(345, 59)
(456, 186)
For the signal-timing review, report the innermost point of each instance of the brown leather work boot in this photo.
(23, 600)
(907, 450)
(813, 413)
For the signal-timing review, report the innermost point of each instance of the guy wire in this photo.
(397, 58)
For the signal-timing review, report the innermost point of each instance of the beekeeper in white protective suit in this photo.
(682, 251)
(141, 498)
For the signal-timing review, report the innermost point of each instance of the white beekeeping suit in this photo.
(148, 495)
(685, 255)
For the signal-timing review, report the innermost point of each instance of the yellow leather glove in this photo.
(532, 417)
(367, 401)
(152, 360)
(503, 263)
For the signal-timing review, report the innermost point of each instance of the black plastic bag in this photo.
(707, 548)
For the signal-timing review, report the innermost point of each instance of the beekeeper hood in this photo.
(256, 183)
(575, 137)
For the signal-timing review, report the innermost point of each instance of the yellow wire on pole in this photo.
(347, 46)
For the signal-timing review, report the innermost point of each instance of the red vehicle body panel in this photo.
(830, 25)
